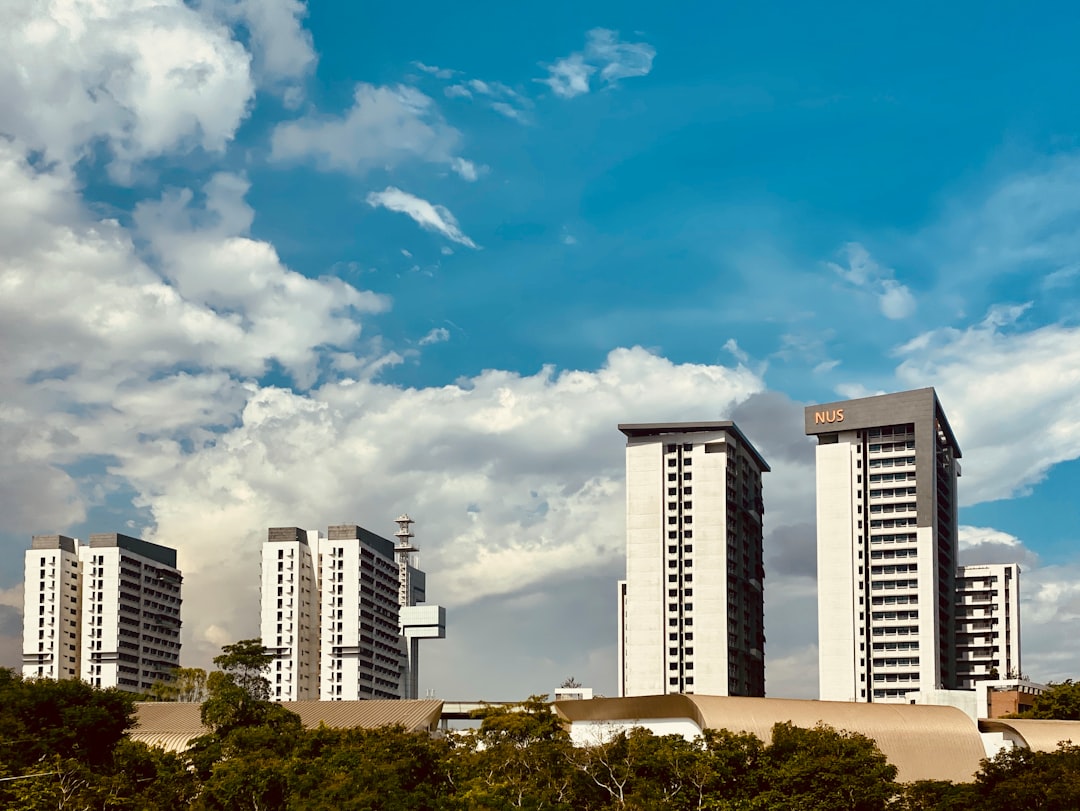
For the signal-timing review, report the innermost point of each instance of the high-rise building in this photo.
(336, 613)
(107, 612)
(51, 626)
(361, 654)
(291, 611)
(690, 609)
(886, 546)
(987, 623)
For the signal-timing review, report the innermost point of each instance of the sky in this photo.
(265, 263)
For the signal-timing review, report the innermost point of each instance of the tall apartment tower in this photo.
(887, 546)
(690, 609)
(360, 654)
(107, 612)
(290, 612)
(987, 623)
(341, 614)
(51, 619)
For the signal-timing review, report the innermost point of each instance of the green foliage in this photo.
(67, 740)
(822, 769)
(246, 663)
(187, 684)
(41, 718)
(1060, 701)
(1021, 778)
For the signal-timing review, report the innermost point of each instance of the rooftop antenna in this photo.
(403, 552)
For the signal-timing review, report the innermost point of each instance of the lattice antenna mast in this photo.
(404, 552)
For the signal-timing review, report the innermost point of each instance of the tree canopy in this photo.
(66, 744)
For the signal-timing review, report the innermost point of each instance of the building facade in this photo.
(886, 476)
(289, 625)
(987, 623)
(690, 611)
(342, 614)
(107, 612)
(51, 618)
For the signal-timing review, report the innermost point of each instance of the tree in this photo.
(247, 663)
(518, 758)
(1022, 779)
(1060, 701)
(42, 718)
(188, 684)
(821, 769)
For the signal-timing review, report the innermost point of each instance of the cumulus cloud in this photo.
(428, 216)
(386, 126)
(107, 350)
(995, 374)
(147, 77)
(895, 300)
(989, 545)
(517, 478)
(605, 56)
(282, 50)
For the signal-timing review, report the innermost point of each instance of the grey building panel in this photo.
(152, 551)
(638, 430)
(54, 542)
(353, 532)
(918, 405)
(286, 534)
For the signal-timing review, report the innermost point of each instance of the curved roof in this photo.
(923, 742)
(173, 725)
(1038, 735)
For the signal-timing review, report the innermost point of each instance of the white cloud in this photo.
(106, 352)
(605, 55)
(436, 336)
(385, 126)
(894, 299)
(516, 478)
(437, 72)
(509, 111)
(989, 545)
(428, 216)
(282, 49)
(149, 77)
(466, 170)
(1010, 395)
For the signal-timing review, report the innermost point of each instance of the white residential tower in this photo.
(886, 546)
(690, 609)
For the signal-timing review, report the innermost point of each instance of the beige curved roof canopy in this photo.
(923, 742)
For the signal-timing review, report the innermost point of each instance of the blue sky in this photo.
(265, 264)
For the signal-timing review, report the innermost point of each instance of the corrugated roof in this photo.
(172, 725)
(923, 742)
(1039, 735)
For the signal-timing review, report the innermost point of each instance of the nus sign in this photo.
(823, 417)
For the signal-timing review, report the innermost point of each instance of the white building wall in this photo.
(988, 622)
(711, 666)
(362, 654)
(839, 587)
(679, 619)
(51, 610)
(289, 624)
(130, 619)
(644, 631)
(886, 482)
